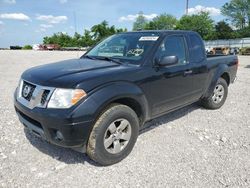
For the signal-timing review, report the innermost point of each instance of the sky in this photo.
(28, 21)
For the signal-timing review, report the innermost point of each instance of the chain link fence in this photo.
(239, 43)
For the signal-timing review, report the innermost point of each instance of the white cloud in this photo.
(9, 1)
(1, 27)
(42, 29)
(63, 1)
(211, 10)
(132, 17)
(15, 16)
(46, 26)
(52, 19)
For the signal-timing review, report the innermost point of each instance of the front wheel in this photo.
(114, 135)
(218, 97)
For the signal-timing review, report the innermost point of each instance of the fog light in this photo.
(59, 136)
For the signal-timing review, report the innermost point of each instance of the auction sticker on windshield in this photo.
(149, 38)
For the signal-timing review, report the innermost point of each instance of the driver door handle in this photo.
(187, 72)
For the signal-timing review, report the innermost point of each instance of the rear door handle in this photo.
(187, 72)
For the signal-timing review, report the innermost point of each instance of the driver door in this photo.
(173, 86)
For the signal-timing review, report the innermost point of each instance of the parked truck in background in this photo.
(98, 103)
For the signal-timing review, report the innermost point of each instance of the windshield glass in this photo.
(126, 47)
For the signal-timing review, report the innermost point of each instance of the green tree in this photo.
(103, 30)
(242, 33)
(140, 22)
(27, 47)
(224, 31)
(62, 39)
(238, 12)
(46, 40)
(76, 40)
(100, 31)
(201, 23)
(120, 30)
(87, 39)
(162, 22)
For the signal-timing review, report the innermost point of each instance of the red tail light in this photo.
(237, 63)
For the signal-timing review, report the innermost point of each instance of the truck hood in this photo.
(46, 74)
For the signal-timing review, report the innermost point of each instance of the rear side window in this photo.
(173, 46)
(197, 49)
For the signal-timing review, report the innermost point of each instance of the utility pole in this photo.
(187, 2)
(75, 21)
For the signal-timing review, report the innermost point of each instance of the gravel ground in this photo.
(191, 147)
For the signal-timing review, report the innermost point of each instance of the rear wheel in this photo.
(114, 135)
(218, 97)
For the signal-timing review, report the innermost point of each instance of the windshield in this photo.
(125, 47)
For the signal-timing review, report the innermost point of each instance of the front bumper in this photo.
(57, 126)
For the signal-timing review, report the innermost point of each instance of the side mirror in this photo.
(168, 60)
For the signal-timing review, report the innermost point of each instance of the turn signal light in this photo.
(78, 95)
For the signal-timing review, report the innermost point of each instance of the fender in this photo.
(101, 97)
(222, 68)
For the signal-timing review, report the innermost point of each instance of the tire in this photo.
(113, 135)
(218, 97)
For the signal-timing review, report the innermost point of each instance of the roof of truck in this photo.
(162, 31)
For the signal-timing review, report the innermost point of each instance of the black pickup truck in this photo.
(98, 103)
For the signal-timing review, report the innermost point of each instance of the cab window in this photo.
(197, 49)
(173, 46)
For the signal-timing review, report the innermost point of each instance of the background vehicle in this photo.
(245, 51)
(52, 47)
(39, 47)
(98, 103)
(15, 47)
(234, 51)
(221, 51)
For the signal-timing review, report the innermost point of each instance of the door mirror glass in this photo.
(168, 60)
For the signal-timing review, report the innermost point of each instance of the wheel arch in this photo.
(226, 77)
(221, 72)
(122, 93)
(134, 105)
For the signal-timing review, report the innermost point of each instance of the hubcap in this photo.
(218, 93)
(117, 136)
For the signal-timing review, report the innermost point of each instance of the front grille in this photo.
(45, 96)
(33, 95)
(27, 90)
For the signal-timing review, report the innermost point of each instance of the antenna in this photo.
(77, 54)
(187, 5)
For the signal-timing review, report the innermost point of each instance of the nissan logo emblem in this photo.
(26, 90)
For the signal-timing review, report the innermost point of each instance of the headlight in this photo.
(65, 98)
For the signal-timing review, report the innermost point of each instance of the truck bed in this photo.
(227, 59)
(230, 60)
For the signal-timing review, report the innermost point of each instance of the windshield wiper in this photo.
(102, 58)
(108, 59)
(89, 57)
